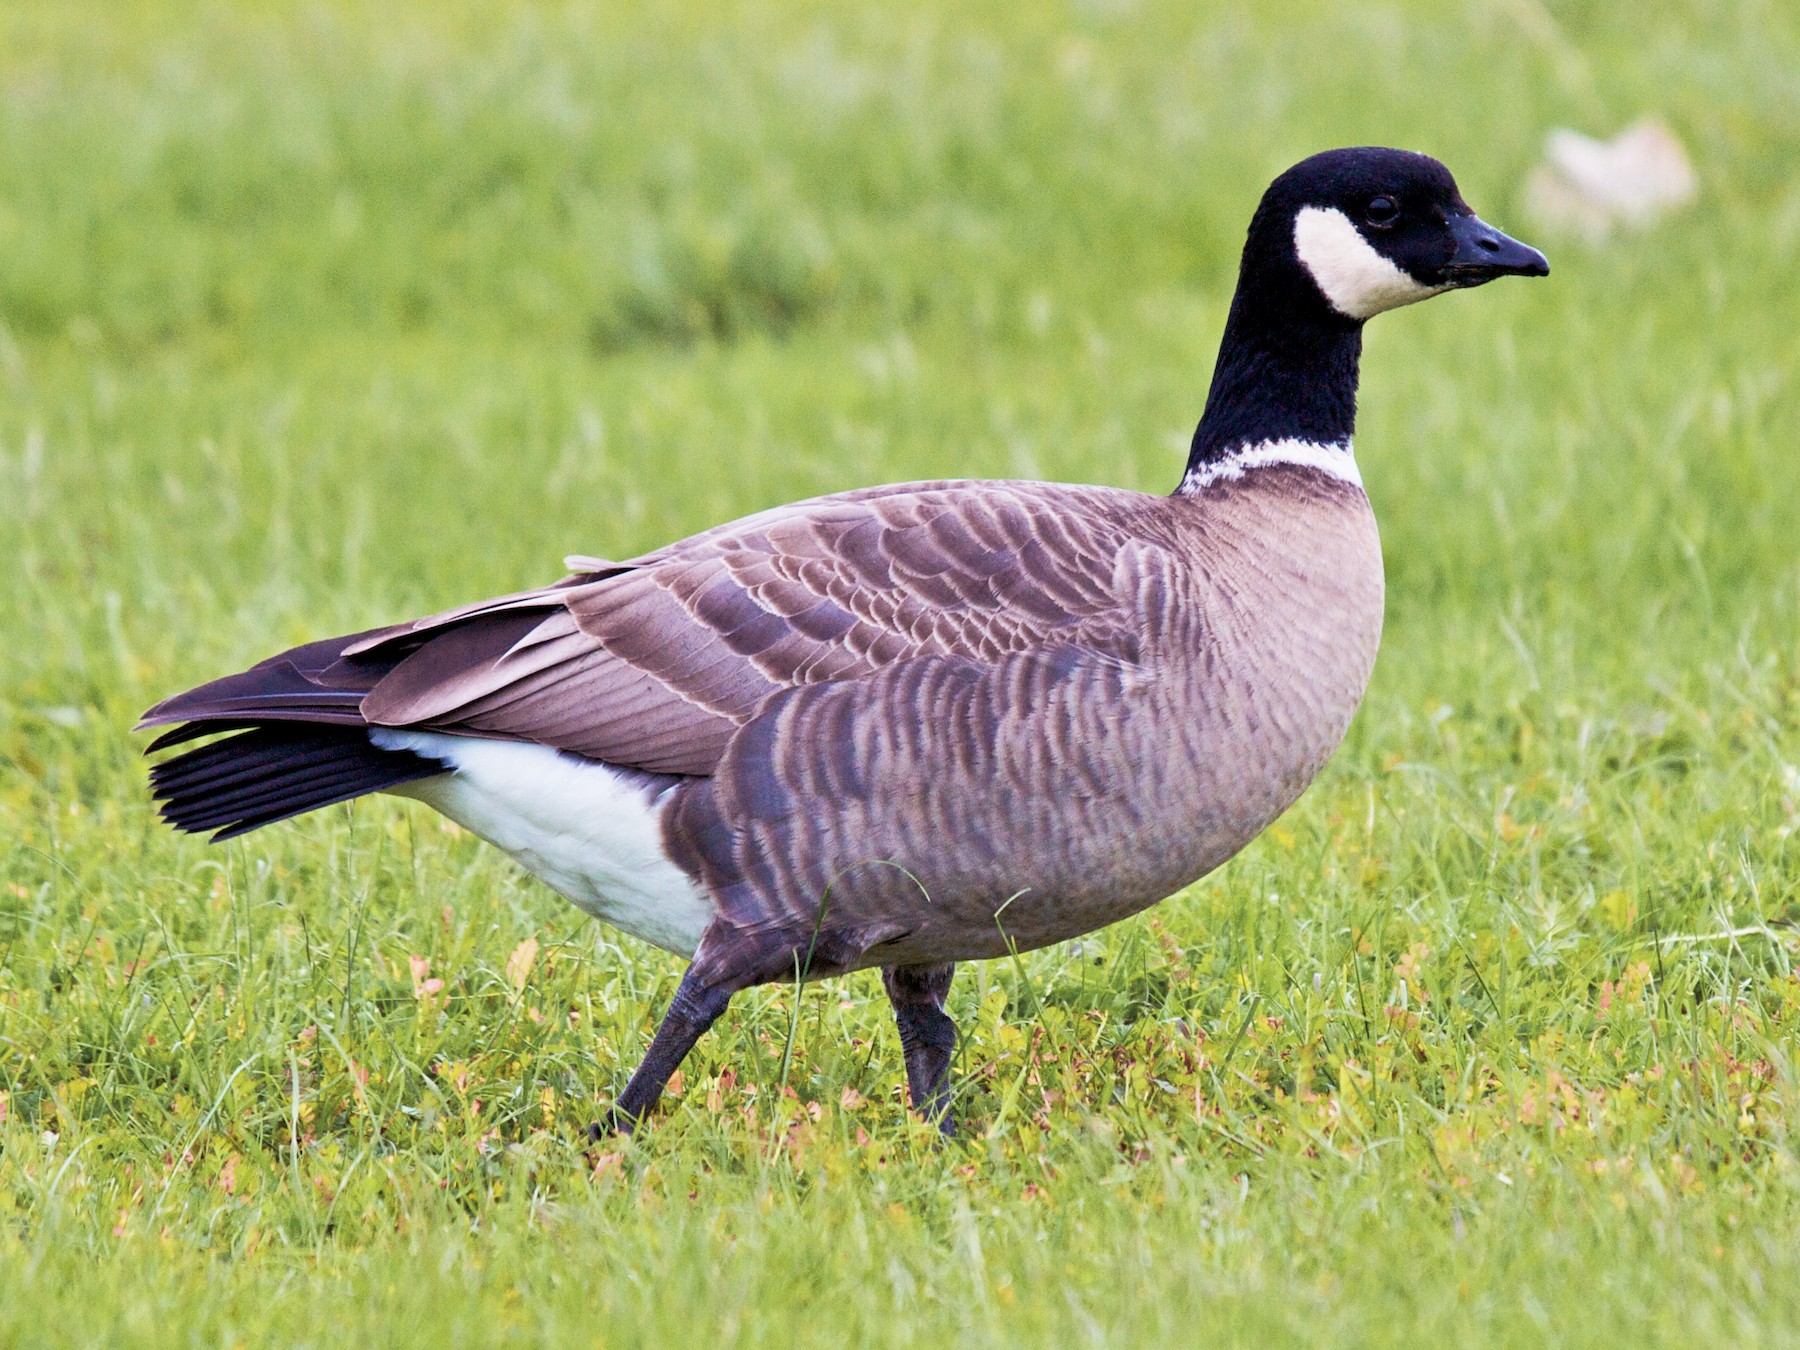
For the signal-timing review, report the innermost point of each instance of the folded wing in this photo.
(655, 663)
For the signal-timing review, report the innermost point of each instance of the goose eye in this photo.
(1383, 211)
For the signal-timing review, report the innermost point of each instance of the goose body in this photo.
(910, 725)
(1170, 717)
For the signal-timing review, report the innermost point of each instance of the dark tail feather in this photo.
(301, 740)
(274, 771)
(306, 684)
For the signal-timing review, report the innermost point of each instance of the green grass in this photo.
(313, 317)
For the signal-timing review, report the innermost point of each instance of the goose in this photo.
(907, 726)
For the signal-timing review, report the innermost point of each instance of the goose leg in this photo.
(927, 1035)
(695, 1007)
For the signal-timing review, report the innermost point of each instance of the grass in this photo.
(313, 317)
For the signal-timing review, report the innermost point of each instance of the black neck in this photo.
(1286, 369)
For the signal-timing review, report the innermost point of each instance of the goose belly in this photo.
(589, 832)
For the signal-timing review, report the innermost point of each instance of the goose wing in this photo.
(656, 662)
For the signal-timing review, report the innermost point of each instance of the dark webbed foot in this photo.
(927, 1036)
(611, 1124)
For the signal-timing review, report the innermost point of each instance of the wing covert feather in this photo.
(657, 662)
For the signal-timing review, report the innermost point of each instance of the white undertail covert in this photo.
(585, 830)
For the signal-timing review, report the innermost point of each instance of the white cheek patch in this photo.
(1357, 280)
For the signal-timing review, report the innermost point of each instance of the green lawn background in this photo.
(318, 316)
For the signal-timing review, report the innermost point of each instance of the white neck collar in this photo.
(1335, 461)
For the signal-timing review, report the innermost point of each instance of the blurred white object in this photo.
(1591, 186)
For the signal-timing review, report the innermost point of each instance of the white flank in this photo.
(1335, 461)
(1357, 280)
(586, 831)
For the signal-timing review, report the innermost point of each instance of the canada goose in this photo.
(913, 725)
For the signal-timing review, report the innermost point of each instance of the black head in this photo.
(1337, 239)
(1373, 229)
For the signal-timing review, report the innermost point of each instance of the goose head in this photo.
(1373, 229)
(1336, 240)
